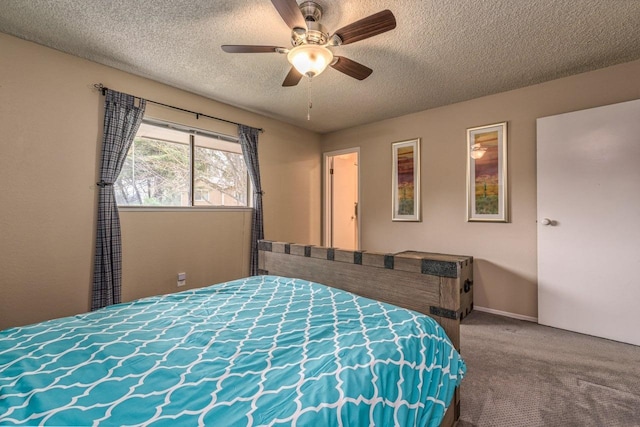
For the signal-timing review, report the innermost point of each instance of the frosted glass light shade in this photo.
(310, 60)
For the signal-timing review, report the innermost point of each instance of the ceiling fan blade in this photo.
(242, 48)
(351, 68)
(370, 26)
(293, 78)
(290, 13)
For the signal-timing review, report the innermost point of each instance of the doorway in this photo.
(341, 199)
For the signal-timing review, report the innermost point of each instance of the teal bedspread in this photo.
(264, 350)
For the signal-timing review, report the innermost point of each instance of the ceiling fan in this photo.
(311, 53)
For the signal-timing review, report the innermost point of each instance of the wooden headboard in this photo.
(438, 285)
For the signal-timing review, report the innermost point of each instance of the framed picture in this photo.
(406, 180)
(487, 173)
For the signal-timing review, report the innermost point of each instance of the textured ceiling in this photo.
(442, 51)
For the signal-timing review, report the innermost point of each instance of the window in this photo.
(170, 165)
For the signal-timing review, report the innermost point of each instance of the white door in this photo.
(341, 199)
(589, 221)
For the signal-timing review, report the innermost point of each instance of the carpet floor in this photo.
(524, 374)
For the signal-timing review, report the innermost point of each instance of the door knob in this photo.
(546, 221)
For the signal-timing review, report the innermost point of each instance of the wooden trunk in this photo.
(435, 284)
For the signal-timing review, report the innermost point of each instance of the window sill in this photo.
(184, 208)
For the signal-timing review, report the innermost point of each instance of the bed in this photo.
(265, 350)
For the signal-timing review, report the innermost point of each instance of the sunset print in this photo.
(405, 181)
(487, 173)
(487, 185)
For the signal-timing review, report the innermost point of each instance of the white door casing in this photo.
(341, 199)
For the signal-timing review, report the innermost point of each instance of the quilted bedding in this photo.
(264, 350)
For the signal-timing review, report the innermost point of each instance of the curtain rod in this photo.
(103, 90)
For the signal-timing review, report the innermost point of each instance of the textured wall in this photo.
(50, 134)
(50, 120)
(505, 267)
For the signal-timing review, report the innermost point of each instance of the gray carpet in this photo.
(524, 374)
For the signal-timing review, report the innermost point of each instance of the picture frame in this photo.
(406, 180)
(487, 197)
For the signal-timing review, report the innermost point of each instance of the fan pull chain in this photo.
(310, 105)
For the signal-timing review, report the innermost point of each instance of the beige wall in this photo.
(50, 127)
(50, 134)
(505, 254)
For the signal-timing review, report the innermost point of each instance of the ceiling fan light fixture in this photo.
(310, 60)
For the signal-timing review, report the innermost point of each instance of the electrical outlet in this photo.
(182, 279)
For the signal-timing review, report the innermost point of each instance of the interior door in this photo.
(589, 221)
(341, 200)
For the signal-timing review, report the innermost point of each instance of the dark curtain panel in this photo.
(249, 141)
(121, 122)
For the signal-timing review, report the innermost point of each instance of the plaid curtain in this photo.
(248, 137)
(121, 122)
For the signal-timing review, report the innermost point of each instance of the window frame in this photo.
(193, 132)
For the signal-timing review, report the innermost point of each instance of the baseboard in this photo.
(506, 314)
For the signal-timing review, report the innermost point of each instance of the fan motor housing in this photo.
(315, 33)
(311, 11)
